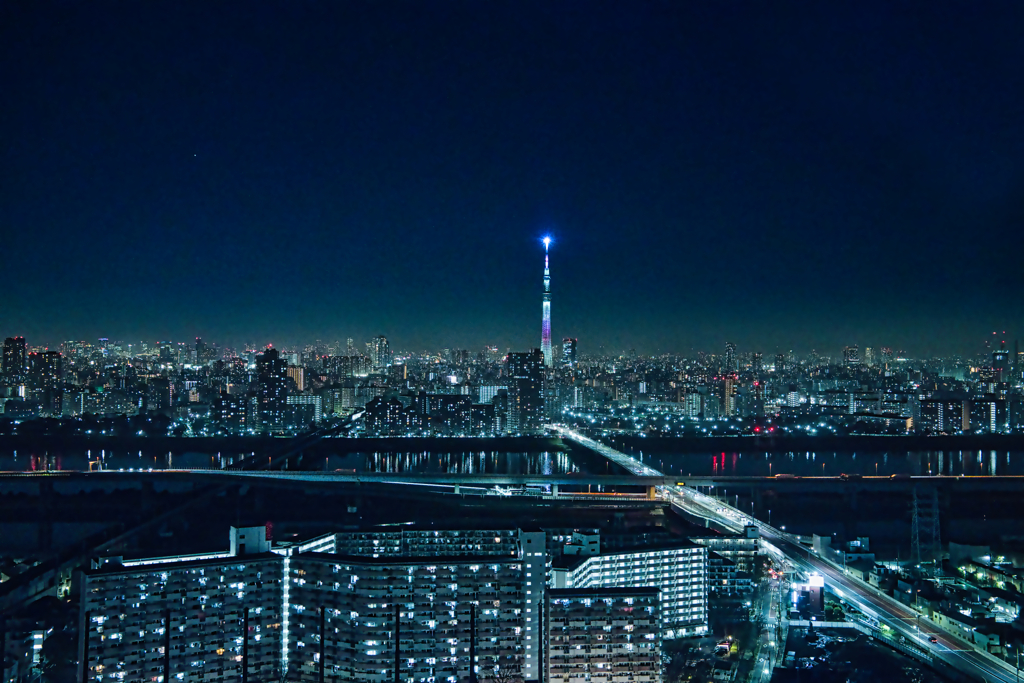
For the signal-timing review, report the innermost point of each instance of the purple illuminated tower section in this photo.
(545, 329)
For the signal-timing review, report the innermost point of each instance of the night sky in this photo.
(778, 174)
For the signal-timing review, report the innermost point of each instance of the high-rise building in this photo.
(730, 357)
(1001, 363)
(545, 328)
(45, 374)
(15, 363)
(780, 362)
(297, 374)
(316, 611)
(388, 417)
(569, 351)
(729, 383)
(851, 356)
(198, 619)
(271, 390)
(533, 549)
(353, 619)
(679, 570)
(380, 353)
(869, 357)
(487, 392)
(302, 410)
(45, 369)
(229, 413)
(525, 391)
(604, 635)
(757, 363)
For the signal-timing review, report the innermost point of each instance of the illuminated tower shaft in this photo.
(545, 330)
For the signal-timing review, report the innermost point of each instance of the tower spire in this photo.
(545, 330)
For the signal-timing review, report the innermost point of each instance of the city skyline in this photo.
(984, 348)
(805, 186)
(274, 405)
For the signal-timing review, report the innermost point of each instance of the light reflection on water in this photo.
(426, 462)
(803, 463)
(834, 463)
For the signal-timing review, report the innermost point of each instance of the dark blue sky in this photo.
(777, 174)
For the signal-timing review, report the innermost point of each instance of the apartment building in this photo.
(604, 635)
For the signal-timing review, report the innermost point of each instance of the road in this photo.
(768, 618)
(872, 602)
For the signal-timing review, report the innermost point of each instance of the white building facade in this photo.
(680, 572)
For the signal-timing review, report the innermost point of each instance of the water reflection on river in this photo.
(479, 462)
(833, 464)
(804, 463)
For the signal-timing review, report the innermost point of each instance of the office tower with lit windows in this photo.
(1001, 363)
(271, 390)
(851, 356)
(229, 413)
(525, 391)
(45, 369)
(757, 363)
(15, 363)
(780, 362)
(729, 386)
(545, 328)
(297, 374)
(730, 357)
(869, 357)
(46, 375)
(380, 353)
(569, 352)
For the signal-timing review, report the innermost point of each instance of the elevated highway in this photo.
(553, 485)
(749, 487)
(916, 628)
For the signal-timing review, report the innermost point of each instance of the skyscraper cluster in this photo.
(220, 390)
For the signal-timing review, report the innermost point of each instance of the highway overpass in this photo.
(910, 624)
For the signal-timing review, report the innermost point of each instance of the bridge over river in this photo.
(963, 657)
